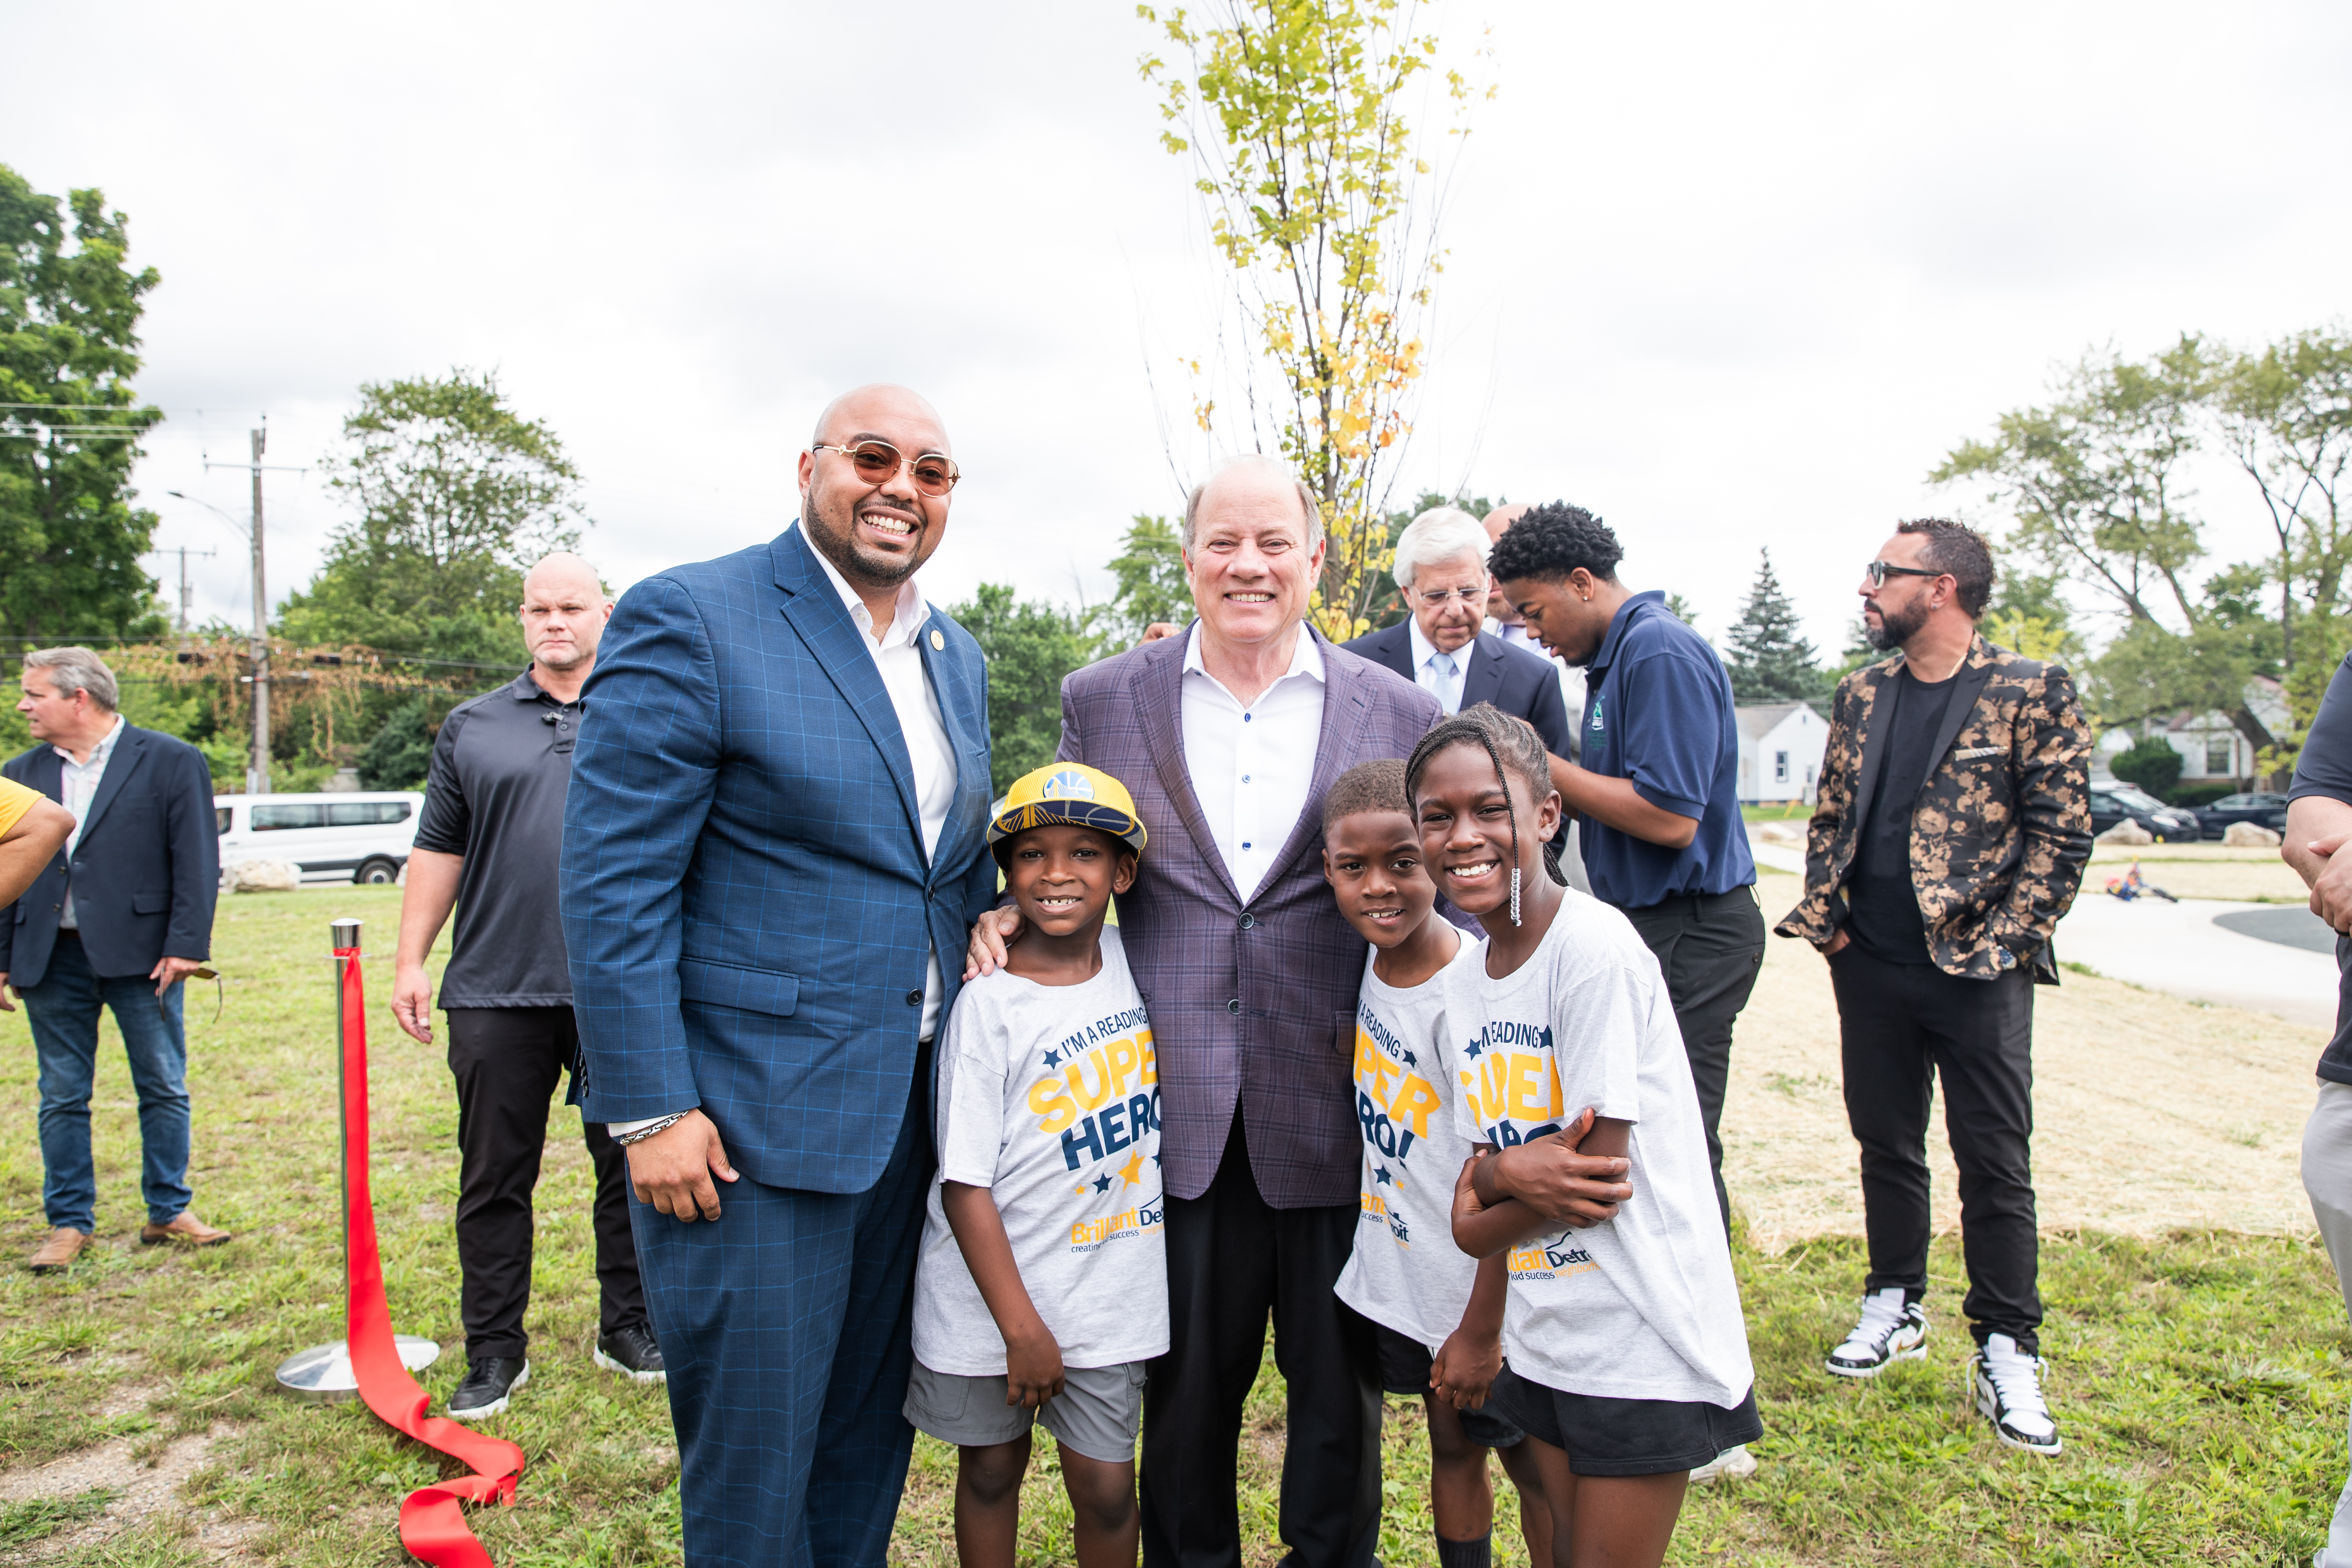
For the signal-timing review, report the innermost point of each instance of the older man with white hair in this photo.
(487, 846)
(1440, 573)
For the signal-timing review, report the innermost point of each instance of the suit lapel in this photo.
(1967, 687)
(1395, 649)
(130, 750)
(816, 611)
(1158, 688)
(1874, 741)
(963, 713)
(1343, 716)
(1482, 683)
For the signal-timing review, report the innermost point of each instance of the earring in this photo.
(1515, 895)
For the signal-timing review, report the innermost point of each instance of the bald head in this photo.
(1498, 521)
(563, 615)
(855, 412)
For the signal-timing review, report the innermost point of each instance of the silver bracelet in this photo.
(642, 1134)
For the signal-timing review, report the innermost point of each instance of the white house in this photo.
(1780, 748)
(2210, 746)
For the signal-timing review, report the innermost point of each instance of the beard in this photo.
(836, 535)
(1896, 629)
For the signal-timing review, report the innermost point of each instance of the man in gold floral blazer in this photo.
(1953, 825)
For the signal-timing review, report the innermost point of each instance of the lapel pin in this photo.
(939, 643)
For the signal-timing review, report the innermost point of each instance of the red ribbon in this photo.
(432, 1519)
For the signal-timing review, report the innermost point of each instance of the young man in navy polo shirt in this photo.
(1658, 787)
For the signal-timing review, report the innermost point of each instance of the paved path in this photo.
(2206, 950)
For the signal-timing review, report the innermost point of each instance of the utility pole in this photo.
(256, 772)
(187, 593)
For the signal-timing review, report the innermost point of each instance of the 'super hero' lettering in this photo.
(1093, 1079)
(1517, 1086)
(1113, 1129)
(1392, 1104)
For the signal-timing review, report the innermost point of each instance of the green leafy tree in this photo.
(1318, 197)
(455, 495)
(1150, 572)
(2285, 414)
(2151, 764)
(1030, 646)
(1771, 660)
(2029, 615)
(69, 310)
(401, 753)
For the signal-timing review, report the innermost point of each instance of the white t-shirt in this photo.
(1405, 1272)
(1644, 1306)
(1049, 1095)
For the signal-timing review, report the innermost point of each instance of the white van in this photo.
(347, 837)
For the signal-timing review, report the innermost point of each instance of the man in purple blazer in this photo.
(1228, 735)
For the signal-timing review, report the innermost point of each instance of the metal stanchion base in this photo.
(323, 1373)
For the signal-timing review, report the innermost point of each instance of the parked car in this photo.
(2111, 802)
(346, 837)
(2260, 807)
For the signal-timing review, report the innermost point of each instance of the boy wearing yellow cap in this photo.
(1042, 1288)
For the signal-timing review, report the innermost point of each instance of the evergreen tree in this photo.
(1770, 662)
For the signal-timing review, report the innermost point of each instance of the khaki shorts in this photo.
(1097, 1414)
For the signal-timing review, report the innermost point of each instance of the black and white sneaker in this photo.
(631, 1352)
(490, 1382)
(2006, 1383)
(1890, 1330)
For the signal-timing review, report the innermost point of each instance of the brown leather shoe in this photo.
(62, 1246)
(185, 1228)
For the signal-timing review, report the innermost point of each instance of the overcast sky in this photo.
(1732, 276)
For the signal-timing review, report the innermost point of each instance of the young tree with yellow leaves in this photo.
(1319, 195)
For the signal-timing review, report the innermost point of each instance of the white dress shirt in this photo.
(1253, 766)
(900, 659)
(78, 782)
(1442, 680)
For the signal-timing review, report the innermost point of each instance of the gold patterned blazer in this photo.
(2002, 826)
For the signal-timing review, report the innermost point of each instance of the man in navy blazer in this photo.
(116, 921)
(1440, 570)
(774, 843)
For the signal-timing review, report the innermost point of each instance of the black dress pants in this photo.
(1902, 1026)
(508, 1062)
(1231, 1260)
(1709, 947)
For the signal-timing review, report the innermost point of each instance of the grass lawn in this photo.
(2202, 1378)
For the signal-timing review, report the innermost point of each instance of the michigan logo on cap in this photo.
(1068, 792)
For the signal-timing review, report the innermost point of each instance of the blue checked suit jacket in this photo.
(1252, 1005)
(747, 907)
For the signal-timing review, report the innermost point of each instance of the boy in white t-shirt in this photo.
(1627, 1354)
(1042, 1288)
(1436, 1313)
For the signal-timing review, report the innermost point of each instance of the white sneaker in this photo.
(2007, 1385)
(1733, 1464)
(1890, 1330)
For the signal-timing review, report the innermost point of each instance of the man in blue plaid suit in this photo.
(776, 826)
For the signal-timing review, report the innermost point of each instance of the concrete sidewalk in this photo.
(2176, 948)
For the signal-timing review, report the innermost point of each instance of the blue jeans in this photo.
(63, 1011)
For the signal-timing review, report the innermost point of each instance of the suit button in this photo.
(1235, 1005)
(914, 998)
(1248, 920)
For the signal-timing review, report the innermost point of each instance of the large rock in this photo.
(1790, 833)
(2127, 832)
(2251, 835)
(264, 877)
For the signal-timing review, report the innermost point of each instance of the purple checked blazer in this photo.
(1252, 1004)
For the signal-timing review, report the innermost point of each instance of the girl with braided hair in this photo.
(1626, 1352)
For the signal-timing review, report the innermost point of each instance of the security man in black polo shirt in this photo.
(488, 844)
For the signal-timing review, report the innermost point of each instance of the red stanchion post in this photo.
(323, 1373)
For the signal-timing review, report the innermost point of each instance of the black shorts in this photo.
(1625, 1436)
(1404, 1369)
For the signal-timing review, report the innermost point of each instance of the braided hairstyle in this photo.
(1503, 738)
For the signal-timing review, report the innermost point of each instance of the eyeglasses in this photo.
(1440, 597)
(1878, 571)
(877, 462)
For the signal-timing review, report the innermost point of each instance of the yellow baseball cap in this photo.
(1071, 792)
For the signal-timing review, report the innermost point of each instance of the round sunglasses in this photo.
(878, 462)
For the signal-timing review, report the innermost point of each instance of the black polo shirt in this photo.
(2325, 768)
(495, 795)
